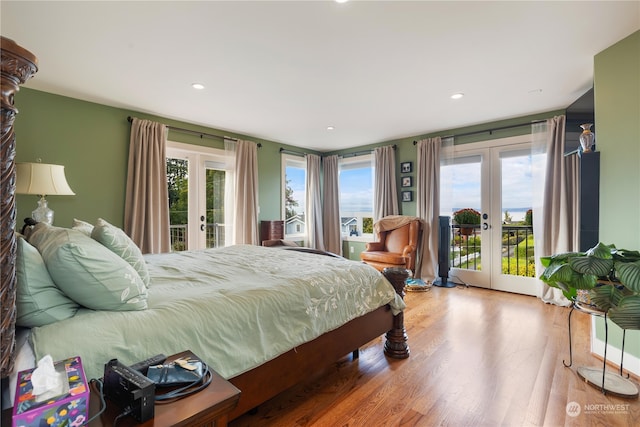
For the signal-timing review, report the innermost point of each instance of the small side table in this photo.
(209, 407)
(607, 382)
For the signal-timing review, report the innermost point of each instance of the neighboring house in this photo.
(294, 225)
(349, 226)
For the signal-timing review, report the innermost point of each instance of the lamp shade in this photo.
(42, 179)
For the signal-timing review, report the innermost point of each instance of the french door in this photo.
(494, 178)
(196, 178)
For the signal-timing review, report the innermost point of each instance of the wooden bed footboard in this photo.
(269, 379)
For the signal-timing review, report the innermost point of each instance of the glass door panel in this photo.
(514, 269)
(214, 201)
(462, 189)
(178, 182)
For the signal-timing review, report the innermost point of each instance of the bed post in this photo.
(18, 66)
(396, 345)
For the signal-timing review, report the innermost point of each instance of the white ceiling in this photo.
(284, 71)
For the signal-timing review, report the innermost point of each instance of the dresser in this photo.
(271, 230)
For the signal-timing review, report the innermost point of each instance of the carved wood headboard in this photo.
(18, 66)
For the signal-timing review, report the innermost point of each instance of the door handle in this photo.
(485, 226)
(201, 227)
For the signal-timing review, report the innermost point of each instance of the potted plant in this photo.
(611, 277)
(467, 219)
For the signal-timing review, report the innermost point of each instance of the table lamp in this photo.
(43, 180)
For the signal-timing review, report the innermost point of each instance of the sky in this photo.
(460, 186)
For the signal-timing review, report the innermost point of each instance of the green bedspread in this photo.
(235, 307)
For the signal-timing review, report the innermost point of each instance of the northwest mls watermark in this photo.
(574, 409)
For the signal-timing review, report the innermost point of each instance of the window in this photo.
(294, 171)
(356, 195)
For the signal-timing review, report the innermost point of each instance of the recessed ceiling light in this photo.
(457, 95)
(341, 1)
(330, 128)
(198, 86)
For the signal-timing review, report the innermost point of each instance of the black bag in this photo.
(176, 373)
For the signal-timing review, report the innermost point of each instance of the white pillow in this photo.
(82, 226)
(119, 243)
(88, 272)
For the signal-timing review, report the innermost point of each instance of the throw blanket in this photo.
(392, 222)
(235, 307)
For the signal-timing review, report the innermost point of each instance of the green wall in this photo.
(92, 142)
(617, 111)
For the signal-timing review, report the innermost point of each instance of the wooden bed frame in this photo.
(256, 385)
(269, 379)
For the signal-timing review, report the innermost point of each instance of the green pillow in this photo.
(38, 301)
(87, 272)
(119, 243)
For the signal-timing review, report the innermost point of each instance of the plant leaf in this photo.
(629, 274)
(592, 265)
(606, 297)
(602, 251)
(626, 255)
(627, 314)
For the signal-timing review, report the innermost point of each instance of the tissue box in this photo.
(71, 408)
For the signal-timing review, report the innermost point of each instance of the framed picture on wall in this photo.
(407, 181)
(407, 196)
(405, 167)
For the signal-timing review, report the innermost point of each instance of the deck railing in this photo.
(517, 249)
(215, 235)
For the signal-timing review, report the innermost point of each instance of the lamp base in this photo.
(42, 213)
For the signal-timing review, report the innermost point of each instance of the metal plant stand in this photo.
(607, 382)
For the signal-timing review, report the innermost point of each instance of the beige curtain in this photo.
(245, 221)
(313, 220)
(385, 196)
(556, 222)
(146, 207)
(428, 205)
(331, 205)
(229, 192)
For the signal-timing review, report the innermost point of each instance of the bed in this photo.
(262, 317)
(261, 366)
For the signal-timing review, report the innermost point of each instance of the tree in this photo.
(178, 186)
(290, 202)
(367, 225)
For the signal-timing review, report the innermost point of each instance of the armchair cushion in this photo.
(385, 257)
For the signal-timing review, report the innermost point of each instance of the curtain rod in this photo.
(295, 153)
(193, 132)
(362, 153)
(491, 130)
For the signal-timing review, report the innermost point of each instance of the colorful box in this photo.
(71, 408)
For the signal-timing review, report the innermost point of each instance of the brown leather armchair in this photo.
(396, 247)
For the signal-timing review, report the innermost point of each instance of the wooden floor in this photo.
(478, 358)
